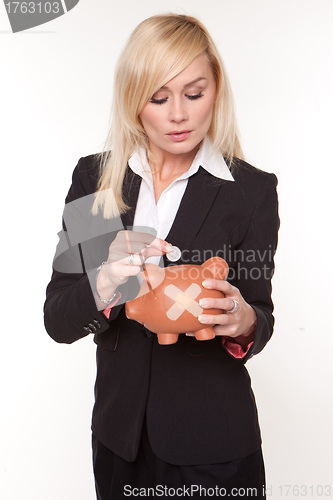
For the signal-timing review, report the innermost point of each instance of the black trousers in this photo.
(149, 476)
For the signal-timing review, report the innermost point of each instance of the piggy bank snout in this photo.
(132, 310)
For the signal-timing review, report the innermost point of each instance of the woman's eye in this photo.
(158, 101)
(162, 100)
(194, 96)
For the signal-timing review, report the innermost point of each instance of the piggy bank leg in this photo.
(205, 334)
(167, 338)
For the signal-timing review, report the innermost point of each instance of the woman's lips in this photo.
(179, 136)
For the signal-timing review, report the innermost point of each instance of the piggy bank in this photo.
(168, 301)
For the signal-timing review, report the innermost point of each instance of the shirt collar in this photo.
(207, 157)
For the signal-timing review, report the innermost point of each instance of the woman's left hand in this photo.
(239, 324)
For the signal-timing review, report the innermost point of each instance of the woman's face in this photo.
(179, 114)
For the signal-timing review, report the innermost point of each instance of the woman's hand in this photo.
(240, 324)
(127, 253)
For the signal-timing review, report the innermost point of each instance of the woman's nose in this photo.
(177, 110)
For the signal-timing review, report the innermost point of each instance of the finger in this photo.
(119, 251)
(151, 252)
(131, 260)
(222, 285)
(126, 272)
(225, 330)
(120, 273)
(132, 270)
(216, 319)
(133, 243)
(128, 243)
(119, 254)
(148, 239)
(161, 245)
(226, 304)
(138, 258)
(221, 331)
(134, 236)
(126, 249)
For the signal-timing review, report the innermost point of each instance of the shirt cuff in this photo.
(107, 311)
(235, 349)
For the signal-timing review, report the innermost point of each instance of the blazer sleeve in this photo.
(253, 266)
(70, 310)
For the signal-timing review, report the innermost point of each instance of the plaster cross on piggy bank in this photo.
(168, 300)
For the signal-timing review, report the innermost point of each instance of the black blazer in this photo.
(198, 400)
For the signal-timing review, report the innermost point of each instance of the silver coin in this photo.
(174, 254)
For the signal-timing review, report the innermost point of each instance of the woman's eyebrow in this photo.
(187, 84)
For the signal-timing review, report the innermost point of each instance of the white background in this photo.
(56, 90)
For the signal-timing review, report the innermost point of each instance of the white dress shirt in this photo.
(159, 216)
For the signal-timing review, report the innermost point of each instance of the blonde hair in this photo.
(159, 49)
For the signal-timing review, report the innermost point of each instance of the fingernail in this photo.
(168, 246)
(202, 318)
(203, 302)
(206, 284)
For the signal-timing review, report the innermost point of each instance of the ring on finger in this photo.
(131, 259)
(236, 305)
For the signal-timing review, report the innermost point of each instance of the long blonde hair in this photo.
(159, 49)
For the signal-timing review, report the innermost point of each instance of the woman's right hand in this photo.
(127, 253)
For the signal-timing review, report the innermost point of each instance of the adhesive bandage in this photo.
(184, 301)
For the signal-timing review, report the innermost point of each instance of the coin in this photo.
(174, 254)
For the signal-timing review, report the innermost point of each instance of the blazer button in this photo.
(93, 327)
(97, 323)
(88, 329)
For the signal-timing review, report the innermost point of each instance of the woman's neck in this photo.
(167, 166)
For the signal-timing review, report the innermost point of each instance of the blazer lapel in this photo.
(199, 196)
(131, 187)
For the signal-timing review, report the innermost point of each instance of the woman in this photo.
(178, 416)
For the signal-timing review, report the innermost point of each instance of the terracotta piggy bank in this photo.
(168, 300)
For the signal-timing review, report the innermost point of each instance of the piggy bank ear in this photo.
(153, 274)
(216, 267)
